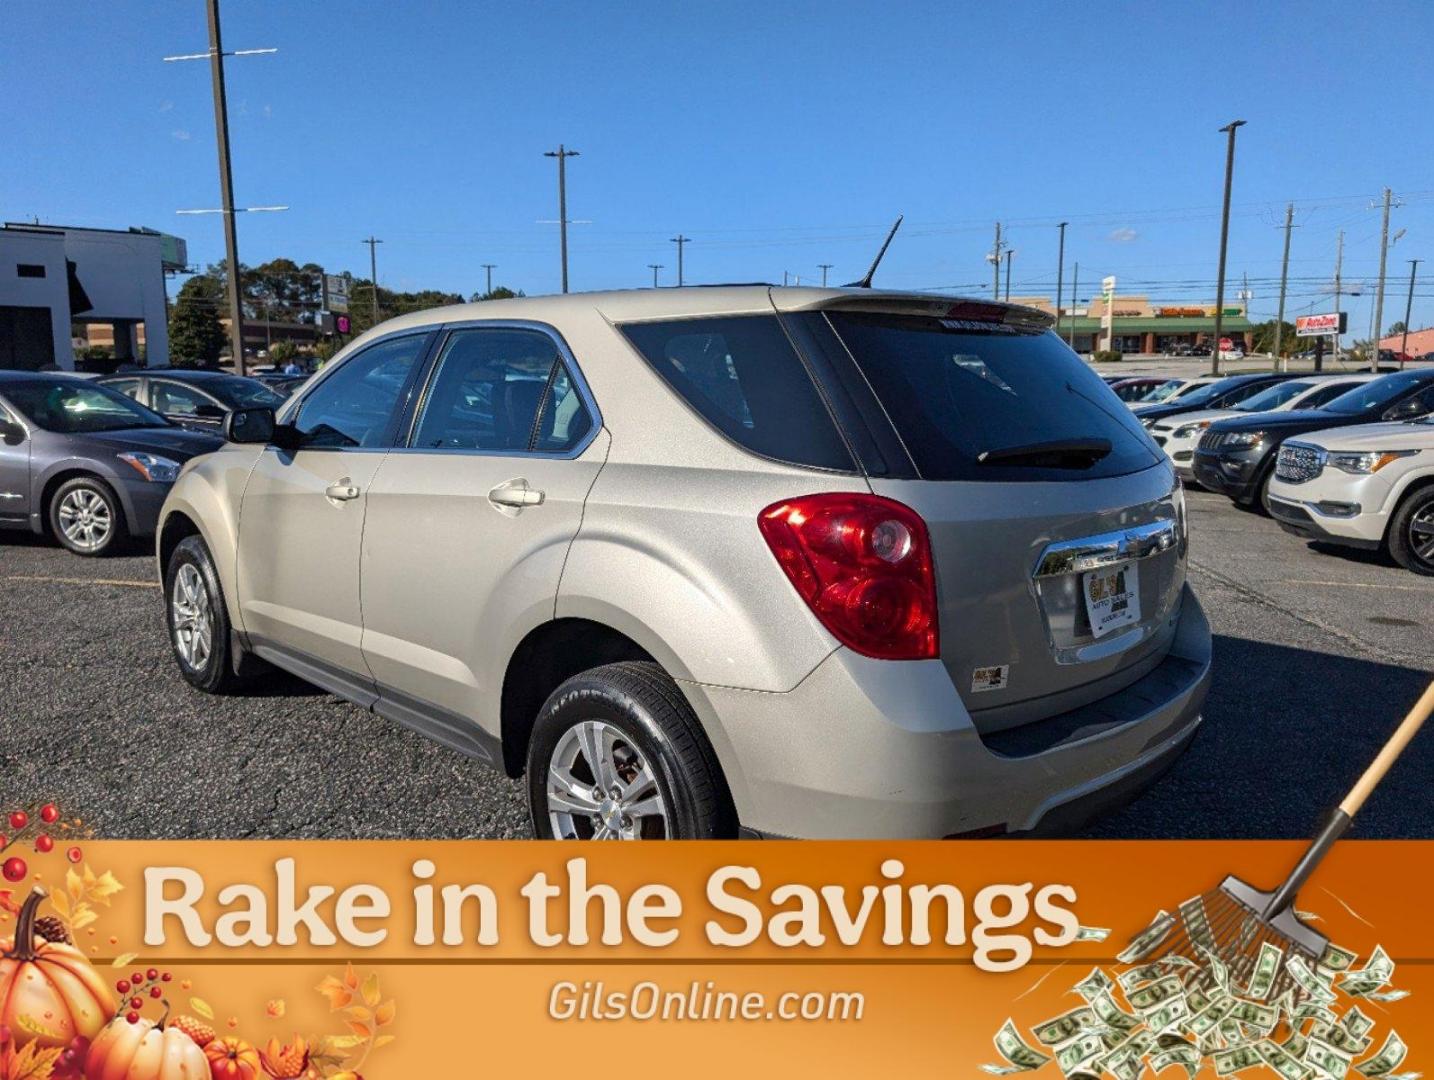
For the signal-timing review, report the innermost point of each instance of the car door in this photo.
(14, 468)
(469, 524)
(302, 514)
(186, 405)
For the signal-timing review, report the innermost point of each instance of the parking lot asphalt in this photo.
(1317, 656)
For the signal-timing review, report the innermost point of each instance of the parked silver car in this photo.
(799, 562)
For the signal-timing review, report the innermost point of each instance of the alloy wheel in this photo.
(86, 518)
(192, 616)
(601, 787)
(1421, 535)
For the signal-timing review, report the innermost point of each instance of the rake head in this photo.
(1230, 924)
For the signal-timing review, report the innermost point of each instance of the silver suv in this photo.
(794, 562)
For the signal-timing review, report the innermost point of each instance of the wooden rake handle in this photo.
(1392, 749)
(1339, 820)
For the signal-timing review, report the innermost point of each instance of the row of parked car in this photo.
(1344, 458)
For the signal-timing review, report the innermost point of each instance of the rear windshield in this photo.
(743, 377)
(1375, 394)
(1273, 397)
(956, 390)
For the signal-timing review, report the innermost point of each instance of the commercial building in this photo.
(57, 281)
(1139, 326)
(1421, 342)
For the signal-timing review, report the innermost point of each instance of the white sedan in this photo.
(1177, 435)
(1369, 486)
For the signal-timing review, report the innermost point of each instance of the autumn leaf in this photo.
(351, 979)
(202, 1007)
(276, 1008)
(384, 1014)
(337, 993)
(123, 960)
(84, 915)
(383, 1040)
(61, 904)
(371, 994)
(28, 1023)
(359, 1013)
(341, 1042)
(363, 1031)
(7, 902)
(31, 1062)
(74, 885)
(102, 888)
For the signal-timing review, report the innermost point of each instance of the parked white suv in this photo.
(1370, 486)
(811, 562)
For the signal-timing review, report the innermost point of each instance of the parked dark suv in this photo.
(1224, 394)
(1237, 457)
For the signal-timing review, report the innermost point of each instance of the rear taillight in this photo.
(863, 565)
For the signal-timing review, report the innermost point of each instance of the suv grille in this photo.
(1212, 440)
(1298, 463)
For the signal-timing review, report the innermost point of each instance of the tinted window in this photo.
(1375, 394)
(502, 390)
(1233, 395)
(743, 377)
(957, 390)
(1324, 395)
(237, 392)
(127, 387)
(174, 399)
(354, 406)
(1272, 397)
(73, 406)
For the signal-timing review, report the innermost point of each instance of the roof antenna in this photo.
(865, 283)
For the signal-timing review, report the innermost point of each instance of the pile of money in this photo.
(1197, 1011)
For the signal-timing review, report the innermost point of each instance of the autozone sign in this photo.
(1319, 325)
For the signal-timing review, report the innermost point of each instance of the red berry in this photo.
(136, 1003)
(137, 978)
(74, 854)
(15, 869)
(19, 819)
(152, 974)
(43, 844)
(122, 986)
(49, 813)
(132, 1017)
(155, 992)
(68, 1057)
(166, 977)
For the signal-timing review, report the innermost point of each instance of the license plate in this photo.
(1112, 597)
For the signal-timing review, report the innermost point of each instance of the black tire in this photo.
(224, 668)
(647, 710)
(1411, 532)
(101, 502)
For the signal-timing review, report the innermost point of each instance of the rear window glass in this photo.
(743, 377)
(957, 390)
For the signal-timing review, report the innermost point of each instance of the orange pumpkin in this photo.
(145, 1051)
(232, 1059)
(49, 994)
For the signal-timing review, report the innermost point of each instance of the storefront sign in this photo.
(1320, 325)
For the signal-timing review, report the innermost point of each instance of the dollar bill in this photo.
(1092, 933)
(1391, 1055)
(1094, 984)
(1296, 1043)
(1336, 959)
(1012, 1047)
(1262, 1017)
(1376, 973)
(1387, 995)
(1236, 1059)
(1143, 974)
(1308, 981)
(1281, 1060)
(1067, 1026)
(1218, 971)
(1078, 1052)
(1339, 1037)
(1313, 1010)
(1168, 1015)
(1355, 1022)
(1197, 923)
(1186, 1056)
(1112, 1015)
(1197, 999)
(1153, 995)
(1208, 1019)
(1149, 939)
(1328, 1059)
(1267, 966)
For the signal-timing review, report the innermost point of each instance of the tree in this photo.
(1395, 328)
(281, 352)
(498, 292)
(196, 335)
(1264, 338)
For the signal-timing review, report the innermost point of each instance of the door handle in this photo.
(342, 491)
(515, 493)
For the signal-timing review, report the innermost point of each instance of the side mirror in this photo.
(250, 426)
(11, 433)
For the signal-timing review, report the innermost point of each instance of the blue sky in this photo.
(777, 135)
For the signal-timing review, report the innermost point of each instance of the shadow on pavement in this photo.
(1311, 723)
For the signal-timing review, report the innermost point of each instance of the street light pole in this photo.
(654, 267)
(1060, 274)
(562, 153)
(681, 241)
(1229, 129)
(1408, 310)
(1280, 363)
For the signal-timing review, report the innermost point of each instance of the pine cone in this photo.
(52, 929)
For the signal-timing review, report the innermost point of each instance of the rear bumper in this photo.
(875, 749)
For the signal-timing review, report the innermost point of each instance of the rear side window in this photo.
(956, 390)
(743, 377)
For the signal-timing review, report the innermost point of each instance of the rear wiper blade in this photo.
(1060, 454)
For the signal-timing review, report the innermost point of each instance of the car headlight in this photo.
(1189, 431)
(1244, 438)
(1368, 461)
(156, 469)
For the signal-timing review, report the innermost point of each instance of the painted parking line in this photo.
(1360, 585)
(80, 581)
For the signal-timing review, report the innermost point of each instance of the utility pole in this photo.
(1280, 363)
(654, 267)
(1408, 310)
(1009, 253)
(1379, 288)
(1229, 129)
(995, 258)
(785, 279)
(489, 267)
(226, 189)
(824, 267)
(1060, 273)
(1338, 288)
(680, 241)
(562, 153)
(1075, 292)
(373, 243)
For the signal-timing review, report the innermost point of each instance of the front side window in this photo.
(1325, 394)
(1237, 394)
(127, 387)
(354, 407)
(1273, 397)
(175, 399)
(502, 389)
(743, 377)
(1374, 395)
(74, 407)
